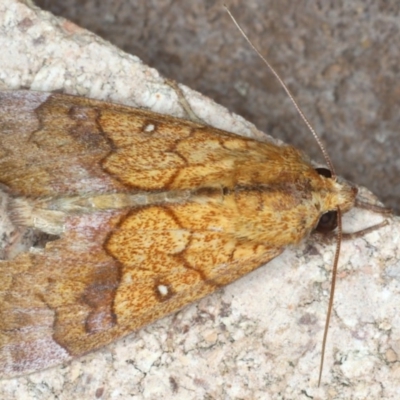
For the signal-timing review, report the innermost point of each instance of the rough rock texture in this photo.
(259, 338)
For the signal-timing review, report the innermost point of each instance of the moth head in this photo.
(342, 195)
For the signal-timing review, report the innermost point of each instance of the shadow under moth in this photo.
(113, 217)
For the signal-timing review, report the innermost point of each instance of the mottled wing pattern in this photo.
(112, 270)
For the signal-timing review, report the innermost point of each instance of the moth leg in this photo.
(373, 208)
(184, 103)
(363, 232)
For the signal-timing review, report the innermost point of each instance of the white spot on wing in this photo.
(163, 290)
(149, 128)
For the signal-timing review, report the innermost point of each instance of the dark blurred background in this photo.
(341, 60)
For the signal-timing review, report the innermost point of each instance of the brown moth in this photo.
(120, 216)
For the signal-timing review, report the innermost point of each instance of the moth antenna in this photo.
(332, 169)
(289, 93)
(332, 291)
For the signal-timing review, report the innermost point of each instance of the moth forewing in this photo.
(122, 216)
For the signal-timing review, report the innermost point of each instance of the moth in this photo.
(115, 217)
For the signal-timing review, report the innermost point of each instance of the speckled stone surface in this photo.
(258, 338)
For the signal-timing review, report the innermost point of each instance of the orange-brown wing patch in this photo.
(89, 288)
(107, 271)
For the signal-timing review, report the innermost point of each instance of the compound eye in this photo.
(324, 172)
(327, 222)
